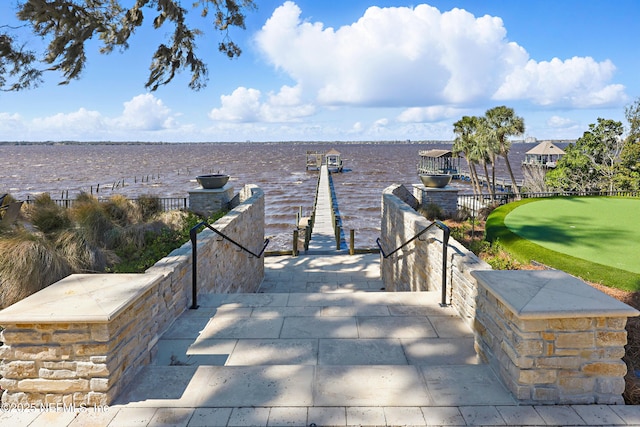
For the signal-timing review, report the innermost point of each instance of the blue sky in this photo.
(355, 70)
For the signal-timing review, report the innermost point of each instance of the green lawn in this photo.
(597, 238)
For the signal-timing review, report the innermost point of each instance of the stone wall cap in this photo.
(90, 298)
(550, 294)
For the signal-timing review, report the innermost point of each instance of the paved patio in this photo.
(320, 344)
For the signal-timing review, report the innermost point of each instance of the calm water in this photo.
(169, 170)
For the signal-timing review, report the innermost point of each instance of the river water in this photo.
(169, 170)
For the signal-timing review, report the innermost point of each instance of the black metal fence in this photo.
(167, 203)
(473, 203)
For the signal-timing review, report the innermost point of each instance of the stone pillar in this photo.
(446, 198)
(552, 338)
(207, 202)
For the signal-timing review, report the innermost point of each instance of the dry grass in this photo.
(122, 211)
(46, 215)
(28, 263)
(93, 221)
(81, 255)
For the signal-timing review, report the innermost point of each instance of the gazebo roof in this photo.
(435, 153)
(545, 148)
(333, 152)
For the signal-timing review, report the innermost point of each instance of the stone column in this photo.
(207, 202)
(446, 198)
(552, 338)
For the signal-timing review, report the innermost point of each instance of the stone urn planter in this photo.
(212, 181)
(436, 180)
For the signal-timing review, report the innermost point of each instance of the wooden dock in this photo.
(502, 184)
(326, 233)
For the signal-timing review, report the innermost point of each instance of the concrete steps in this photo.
(326, 349)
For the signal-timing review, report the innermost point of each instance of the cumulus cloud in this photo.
(145, 112)
(9, 121)
(428, 114)
(142, 114)
(246, 105)
(416, 57)
(76, 122)
(558, 122)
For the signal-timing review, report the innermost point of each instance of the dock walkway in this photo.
(323, 237)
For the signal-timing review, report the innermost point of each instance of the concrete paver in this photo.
(560, 415)
(215, 378)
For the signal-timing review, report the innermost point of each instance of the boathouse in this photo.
(546, 154)
(314, 160)
(438, 162)
(333, 160)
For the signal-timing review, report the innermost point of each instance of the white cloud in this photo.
(75, 123)
(143, 113)
(10, 121)
(417, 57)
(558, 122)
(245, 105)
(428, 114)
(576, 82)
(146, 113)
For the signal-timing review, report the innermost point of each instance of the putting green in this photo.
(604, 230)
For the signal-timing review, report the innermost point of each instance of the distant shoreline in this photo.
(407, 142)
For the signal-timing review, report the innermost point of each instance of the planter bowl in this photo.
(436, 180)
(212, 181)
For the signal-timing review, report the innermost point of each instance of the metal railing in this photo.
(167, 203)
(193, 236)
(445, 243)
(475, 202)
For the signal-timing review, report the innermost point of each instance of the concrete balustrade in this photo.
(551, 338)
(81, 340)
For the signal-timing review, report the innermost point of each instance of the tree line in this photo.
(603, 159)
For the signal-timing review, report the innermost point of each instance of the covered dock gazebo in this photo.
(438, 162)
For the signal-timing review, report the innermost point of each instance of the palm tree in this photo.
(503, 122)
(483, 152)
(465, 130)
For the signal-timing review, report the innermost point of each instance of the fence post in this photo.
(295, 242)
(307, 237)
(352, 237)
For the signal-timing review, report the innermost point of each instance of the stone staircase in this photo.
(321, 332)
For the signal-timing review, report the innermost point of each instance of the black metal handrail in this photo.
(193, 235)
(445, 242)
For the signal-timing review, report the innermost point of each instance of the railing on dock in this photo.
(335, 214)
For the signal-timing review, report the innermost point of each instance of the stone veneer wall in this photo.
(551, 337)
(81, 340)
(561, 351)
(446, 198)
(418, 266)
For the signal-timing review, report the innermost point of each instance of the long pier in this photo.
(326, 236)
